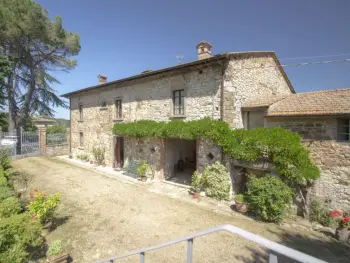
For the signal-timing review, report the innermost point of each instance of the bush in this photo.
(42, 206)
(268, 198)
(5, 160)
(5, 192)
(99, 155)
(142, 170)
(319, 213)
(240, 198)
(9, 206)
(18, 235)
(3, 180)
(216, 181)
(84, 157)
(55, 248)
(196, 183)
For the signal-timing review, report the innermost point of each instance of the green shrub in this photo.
(142, 170)
(5, 160)
(3, 180)
(240, 198)
(55, 248)
(216, 181)
(43, 206)
(268, 198)
(319, 213)
(84, 157)
(9, 173)
(5, 192)
(99, 155)
(19, 234)
(9, 206)
(196, 183)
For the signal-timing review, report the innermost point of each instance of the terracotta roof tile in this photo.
(327, 102)
(264, 101)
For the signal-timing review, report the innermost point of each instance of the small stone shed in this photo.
(322, 120)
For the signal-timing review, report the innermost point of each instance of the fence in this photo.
(20, 145)
(56, 138)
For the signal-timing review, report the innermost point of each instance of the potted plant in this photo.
(56, 254)
(342, 232)
(142, 171)
(196, 184)
(42, 206)
(241, 203)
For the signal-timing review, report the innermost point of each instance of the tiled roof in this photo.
(327, 102)
(264, 101)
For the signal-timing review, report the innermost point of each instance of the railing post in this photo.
(142, 257)
(189, 250)
(273, 258)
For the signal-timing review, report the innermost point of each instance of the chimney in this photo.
(204, 50)
(102, 79)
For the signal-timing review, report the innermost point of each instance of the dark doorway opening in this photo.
(119, 152)
(180, 160)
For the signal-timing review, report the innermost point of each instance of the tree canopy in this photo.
(35, 46)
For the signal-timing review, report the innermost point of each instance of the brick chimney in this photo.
(102, 79)
(204, 50)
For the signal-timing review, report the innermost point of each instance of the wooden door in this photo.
(119, 152)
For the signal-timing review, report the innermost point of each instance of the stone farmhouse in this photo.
(244, 89)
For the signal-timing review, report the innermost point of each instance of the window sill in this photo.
(81, 148)
(177, 117)
(118, 120)
(80, 120)
(103, 108)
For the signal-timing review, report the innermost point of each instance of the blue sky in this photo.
(123, 38)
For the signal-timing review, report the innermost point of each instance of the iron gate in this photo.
(25, 144)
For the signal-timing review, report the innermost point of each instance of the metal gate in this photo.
(30, 143)
(25, 144)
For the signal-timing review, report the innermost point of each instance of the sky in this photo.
(123, 38)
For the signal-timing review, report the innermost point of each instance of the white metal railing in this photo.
(274, 248)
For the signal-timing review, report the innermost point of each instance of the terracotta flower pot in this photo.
(143, 179)
(63, 258)
(196, 195)
(241, 207)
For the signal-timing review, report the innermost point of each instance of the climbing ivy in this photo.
(281, 147)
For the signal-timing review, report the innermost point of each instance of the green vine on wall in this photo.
(281, 147)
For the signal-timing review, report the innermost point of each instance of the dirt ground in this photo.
(101, 217)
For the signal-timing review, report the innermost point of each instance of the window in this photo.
(343, 129)
(118, 109)
(81, 139)
(103, 104)
(178, 102)
(81, 112)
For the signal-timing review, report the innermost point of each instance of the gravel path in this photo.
(109, 217)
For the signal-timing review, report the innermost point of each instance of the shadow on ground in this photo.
(58, 221)
(324, 248)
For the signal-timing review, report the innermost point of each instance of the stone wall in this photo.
(207, 153)
(332, 157)
(150, 150)
(150, 99)
(250, 77)
(56, 150)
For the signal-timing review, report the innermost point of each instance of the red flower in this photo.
(31, 195)
(336, 213)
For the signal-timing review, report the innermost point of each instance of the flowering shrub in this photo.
(42, 206)
(343, 221)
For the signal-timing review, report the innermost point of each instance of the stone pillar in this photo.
(42, 140)
(229, 109)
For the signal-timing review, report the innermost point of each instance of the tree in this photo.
(35, 46)
(5, 68)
